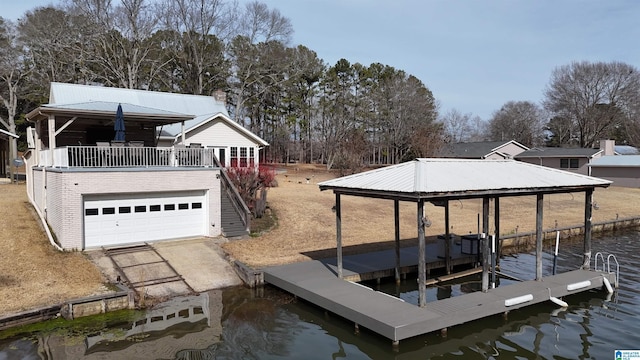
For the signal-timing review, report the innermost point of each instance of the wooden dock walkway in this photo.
(316, 281)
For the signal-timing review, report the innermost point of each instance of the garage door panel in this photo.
(121, 221)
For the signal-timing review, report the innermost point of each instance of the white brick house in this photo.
(93, 192)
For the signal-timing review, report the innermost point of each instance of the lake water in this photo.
(241, 323)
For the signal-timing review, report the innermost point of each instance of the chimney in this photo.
(220, 96)
(608, 146)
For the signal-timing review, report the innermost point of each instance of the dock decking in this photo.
(316, 281)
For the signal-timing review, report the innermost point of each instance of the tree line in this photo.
(345, 115)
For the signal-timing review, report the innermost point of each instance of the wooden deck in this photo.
(391, 317)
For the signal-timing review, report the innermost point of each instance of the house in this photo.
(92, 191)
(623, 170)
(570, 159)
(483, 150)
(210, 127)
(5, 154)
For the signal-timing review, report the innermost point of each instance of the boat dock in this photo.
(317, 282)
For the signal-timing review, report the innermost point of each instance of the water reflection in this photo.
(241, 323)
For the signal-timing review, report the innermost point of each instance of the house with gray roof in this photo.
(92, 190)
(623, 170)
(570, 159)
(492, 150)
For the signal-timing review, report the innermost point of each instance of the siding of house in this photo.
(64, 204)
(223, 136)
(554, 162)
(511, 149)
(621, 176)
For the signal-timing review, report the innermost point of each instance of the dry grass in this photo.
(32, 272)
(307, 224)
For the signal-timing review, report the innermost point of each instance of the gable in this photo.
(218, 132)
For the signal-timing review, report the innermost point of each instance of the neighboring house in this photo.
(210, 126)
(93, 192)
(623, 170)
(570, 159)
(5, 158)
(483, 150)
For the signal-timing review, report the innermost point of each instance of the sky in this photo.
(474, 55)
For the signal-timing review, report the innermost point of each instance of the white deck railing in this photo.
(124, 156)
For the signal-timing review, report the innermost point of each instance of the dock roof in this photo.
(427, 178)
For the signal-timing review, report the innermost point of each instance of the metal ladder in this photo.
(607, 267)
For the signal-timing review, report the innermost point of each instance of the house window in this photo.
(569, 164)
(252, 159)
(243, 157)
(234, 156)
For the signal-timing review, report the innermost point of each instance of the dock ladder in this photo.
(607, 267)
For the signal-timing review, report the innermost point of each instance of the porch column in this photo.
(486, 244)
(396, 215)
(539, 235)
(338, 236)
(182, 137)
(51, 125)
(422, 266)
(588, 212)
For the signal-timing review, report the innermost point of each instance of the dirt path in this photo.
(307, 224)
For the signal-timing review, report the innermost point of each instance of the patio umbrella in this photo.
(118, 126)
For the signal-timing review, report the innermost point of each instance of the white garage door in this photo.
(124, 220)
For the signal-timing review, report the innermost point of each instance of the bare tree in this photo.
(522, 121)
(260, 24)
(121, 50)
(12, 73)
(197, 28)
(596, 97)
(457, 126)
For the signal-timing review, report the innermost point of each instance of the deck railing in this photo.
(125, 156)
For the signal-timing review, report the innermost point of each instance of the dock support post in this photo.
(496, 222)
(422, 268)
(443, 333)
(588, 212)
(486, 246)
(357, 329)
(539, 235)
(338, 235)
(396, 215)
(447, 238)
(396, 345)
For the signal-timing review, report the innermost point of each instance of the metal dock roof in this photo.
(432, 177)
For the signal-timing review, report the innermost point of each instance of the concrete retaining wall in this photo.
(93, 305)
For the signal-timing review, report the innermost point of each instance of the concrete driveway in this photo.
(170, 268)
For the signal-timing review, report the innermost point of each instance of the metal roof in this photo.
(61, 93)
(202, 108)
(460, 178)
(558, 152)
(617, 161)
(626, 150)
(105, 106)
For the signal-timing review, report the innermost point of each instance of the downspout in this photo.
(40, 215)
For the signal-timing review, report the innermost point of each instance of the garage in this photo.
(119, 220)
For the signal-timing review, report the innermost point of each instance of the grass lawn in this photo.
(32, 273)
(306, 223)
